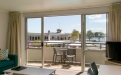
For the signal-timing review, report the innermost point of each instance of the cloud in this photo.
(98, 30)
(94, 16)
(100, 21)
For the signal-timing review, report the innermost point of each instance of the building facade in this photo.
(49, 36)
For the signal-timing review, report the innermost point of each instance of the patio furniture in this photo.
(94, 68)
(89, 72)
(55, 55)
(71, 53)
(64, 54)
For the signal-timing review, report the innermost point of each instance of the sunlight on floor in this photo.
(58, 66)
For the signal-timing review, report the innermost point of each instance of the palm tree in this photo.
(74, 35)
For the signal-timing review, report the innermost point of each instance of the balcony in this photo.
(94, 52)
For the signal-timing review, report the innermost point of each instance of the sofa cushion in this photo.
(4, 55)
(5, 63)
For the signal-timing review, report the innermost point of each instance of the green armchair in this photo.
(7, 64)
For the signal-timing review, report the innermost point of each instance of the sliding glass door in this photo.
(34, 41)
(95, 38)
(86, 34)
(95, 31)
(62, 32)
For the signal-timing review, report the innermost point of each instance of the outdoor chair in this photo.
(71, 53)
(55, 54)
(94, 68)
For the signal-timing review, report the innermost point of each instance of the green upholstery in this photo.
(7, 64)
(14, 58)
(5, 68)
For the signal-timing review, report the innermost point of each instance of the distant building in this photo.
(49, 36)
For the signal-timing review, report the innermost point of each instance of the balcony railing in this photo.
(67, 44)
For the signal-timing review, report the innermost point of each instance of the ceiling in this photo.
(50, 5)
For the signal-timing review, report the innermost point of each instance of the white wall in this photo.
(95, 56)
(95, 10)
(4, 16)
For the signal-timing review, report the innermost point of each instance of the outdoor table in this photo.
(64, 54)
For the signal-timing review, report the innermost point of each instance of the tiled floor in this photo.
(59, 66)
(61, 69)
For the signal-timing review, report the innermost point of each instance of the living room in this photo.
(15, 40)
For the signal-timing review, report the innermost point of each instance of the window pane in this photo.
(95, 31)
(59, 29)
(34, 32)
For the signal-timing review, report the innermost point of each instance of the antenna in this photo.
(59, 25)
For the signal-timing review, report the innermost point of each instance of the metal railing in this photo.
(89, 45)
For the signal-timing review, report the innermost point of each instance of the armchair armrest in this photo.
(14, 58)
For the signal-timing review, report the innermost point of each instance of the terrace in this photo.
(95, 51)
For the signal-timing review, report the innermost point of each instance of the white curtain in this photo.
(14, 31)
(114, 27)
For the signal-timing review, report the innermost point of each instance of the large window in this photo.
(65, 32)
(95, 31)
(61, 29)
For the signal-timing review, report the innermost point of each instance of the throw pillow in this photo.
(4, 55)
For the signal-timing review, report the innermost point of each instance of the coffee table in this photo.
(32, 71)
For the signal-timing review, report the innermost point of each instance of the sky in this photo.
(95, 22)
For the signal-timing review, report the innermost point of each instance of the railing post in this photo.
(100, 46)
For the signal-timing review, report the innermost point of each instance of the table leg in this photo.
(64, 56)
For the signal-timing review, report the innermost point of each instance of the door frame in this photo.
(83, 40)
(42, 40)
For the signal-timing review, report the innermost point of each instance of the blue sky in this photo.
(67, 23)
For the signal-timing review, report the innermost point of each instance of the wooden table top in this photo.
(109, 70)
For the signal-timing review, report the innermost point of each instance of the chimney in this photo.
(48, 35)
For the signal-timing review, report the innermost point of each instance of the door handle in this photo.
(42, 44)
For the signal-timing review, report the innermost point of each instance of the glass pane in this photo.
(95, 32)
(34, 33)
(62, 32)
(34, 53)
(60, 28)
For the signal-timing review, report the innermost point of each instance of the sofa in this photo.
(7, 64)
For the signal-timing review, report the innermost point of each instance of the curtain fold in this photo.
(114, 28)
(14, 31)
